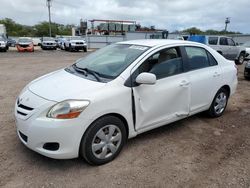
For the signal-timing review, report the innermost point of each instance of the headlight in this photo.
(73, 43)
(248, 65)
(68, 109)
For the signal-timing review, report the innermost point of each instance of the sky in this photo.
(163, 14)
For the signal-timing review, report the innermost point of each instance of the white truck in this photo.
(2, 30)
(224, 45)
(75, 43)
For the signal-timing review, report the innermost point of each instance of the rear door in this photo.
(233, 50)
(225, 48)
(205, 77)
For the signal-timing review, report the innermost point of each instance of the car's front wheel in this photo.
(219, 103)
(103, 141)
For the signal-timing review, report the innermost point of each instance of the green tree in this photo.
(193, 31)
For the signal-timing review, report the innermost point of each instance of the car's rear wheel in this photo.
(103, 141)
(219, 103)
(241, 58)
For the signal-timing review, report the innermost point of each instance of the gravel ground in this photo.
(195, 152)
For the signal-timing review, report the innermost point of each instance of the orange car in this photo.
(25, 44)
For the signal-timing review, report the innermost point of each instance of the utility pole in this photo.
(49, 5)
(227, 21)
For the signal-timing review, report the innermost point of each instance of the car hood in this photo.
(49, 41)
(61, 85)
(77, 40)
(25, 43)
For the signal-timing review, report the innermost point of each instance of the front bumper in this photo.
(49, 46)
(247, 72)
(2, 47)
(25, 49)
(36, 131)
(78, 47)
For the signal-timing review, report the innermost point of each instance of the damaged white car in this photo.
(91, 108)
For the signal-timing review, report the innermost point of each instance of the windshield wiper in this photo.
(86, 71)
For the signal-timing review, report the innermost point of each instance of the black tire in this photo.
(70, 48)
(65, 48)
(90, 137)
(241, 59)
(212, 111)
(85, 49)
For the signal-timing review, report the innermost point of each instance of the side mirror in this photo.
(146, 78)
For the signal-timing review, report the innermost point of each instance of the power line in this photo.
(49, 4)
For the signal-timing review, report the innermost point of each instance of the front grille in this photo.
(24, 45)
(79, 42)
(23, 136)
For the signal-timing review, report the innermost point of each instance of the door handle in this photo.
(216, 74)
(184, 83)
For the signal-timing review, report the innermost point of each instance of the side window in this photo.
(167, 62)
(197, 58)
(211, 59)
(213, 40)
(230, 42)
(223, 41)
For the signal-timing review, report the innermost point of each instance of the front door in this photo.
(167, 100)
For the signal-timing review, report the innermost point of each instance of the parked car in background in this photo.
(247, 70)
(36, 41)
(48, 43)
(223, 45)
(92, 107)
(247, 46)
(61, 42)
(25, 44)
(75, 44)
(11, 42)
(3, 44)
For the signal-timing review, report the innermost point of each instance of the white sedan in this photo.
(91, 108)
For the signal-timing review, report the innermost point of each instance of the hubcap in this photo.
(220, 103)
(241, 59)
(106, 141)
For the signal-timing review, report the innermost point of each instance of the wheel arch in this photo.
(122, 118)
(226, 87)
(220, 52)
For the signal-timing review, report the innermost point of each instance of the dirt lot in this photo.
(195, 152)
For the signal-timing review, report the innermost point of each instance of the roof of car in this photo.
(156, 42)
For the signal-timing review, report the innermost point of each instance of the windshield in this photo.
(2, 39)
(247, 44)
(111, 60)
(25, 40)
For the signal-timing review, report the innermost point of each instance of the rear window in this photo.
(212, 40)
